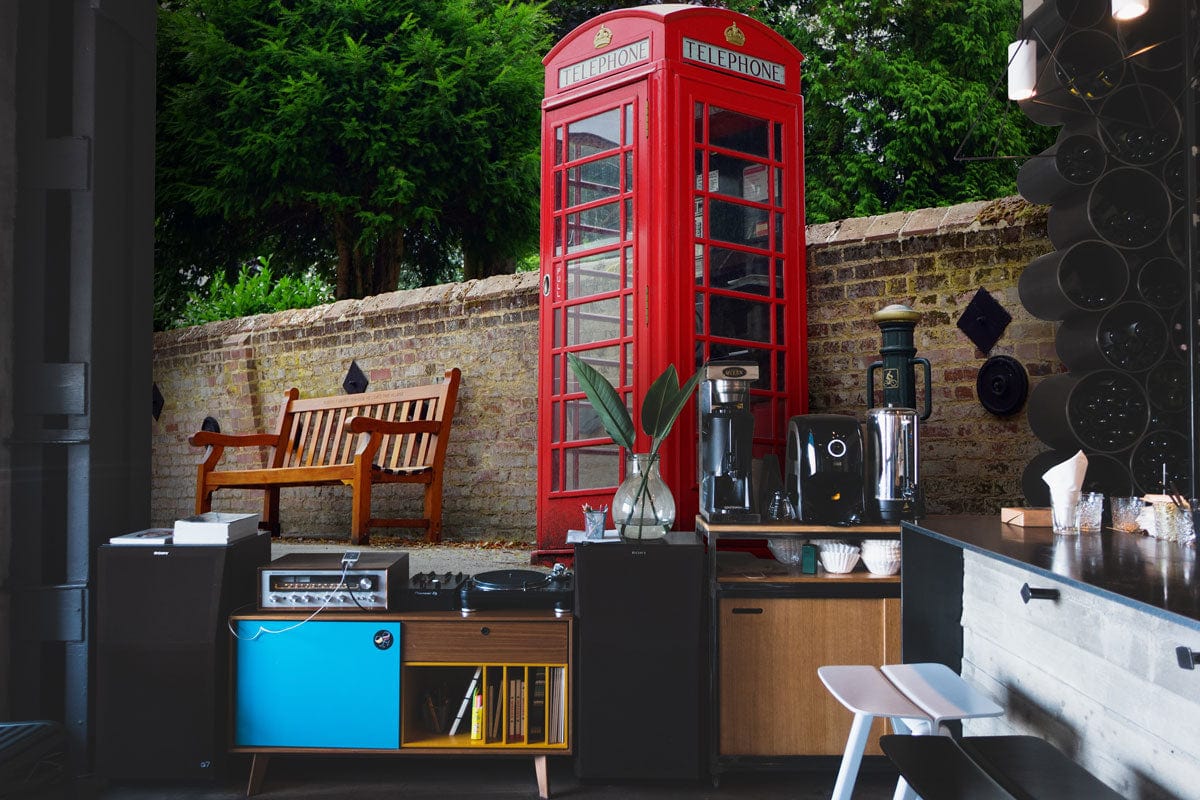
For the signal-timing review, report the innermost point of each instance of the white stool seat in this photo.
(917, 698)
(939, 692)
(865, 690)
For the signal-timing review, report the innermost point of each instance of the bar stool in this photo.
(991, 768)
(917, 698)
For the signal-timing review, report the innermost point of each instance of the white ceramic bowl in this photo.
(786, 550)
(881, 563)
(839, 562)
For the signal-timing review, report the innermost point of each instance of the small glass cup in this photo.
(1172, 523)
(593, 522)
(1125, 511)
(1090, 511)
(1064, 512)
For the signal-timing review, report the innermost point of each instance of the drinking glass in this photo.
(1172, 523)
(1090, 511)
(1064, 510)
(1125, 511)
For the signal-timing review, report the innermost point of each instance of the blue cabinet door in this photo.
(320, 684)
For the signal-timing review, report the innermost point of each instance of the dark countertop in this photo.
(1135, 570)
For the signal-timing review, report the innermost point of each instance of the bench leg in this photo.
(270, 515)
(433, 509)
(856, 742)
(360, 515)
(543, 777)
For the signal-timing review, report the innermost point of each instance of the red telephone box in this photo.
(672, 233)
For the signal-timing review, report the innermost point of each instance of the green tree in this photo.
(356, 127)
(893, 91)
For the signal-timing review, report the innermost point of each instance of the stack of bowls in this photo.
(786, 550)
(881, 556)
(838, 557)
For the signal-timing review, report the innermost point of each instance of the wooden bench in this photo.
(357, 440)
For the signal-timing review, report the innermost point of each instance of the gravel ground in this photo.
(470, 558)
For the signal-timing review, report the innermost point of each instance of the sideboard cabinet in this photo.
(434, 682)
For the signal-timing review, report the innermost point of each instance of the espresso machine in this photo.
(893, 488)
(727, 441)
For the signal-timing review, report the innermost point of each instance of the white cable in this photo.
(261, 630)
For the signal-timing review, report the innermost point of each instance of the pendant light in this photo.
(1022, 69)
(1129, 9)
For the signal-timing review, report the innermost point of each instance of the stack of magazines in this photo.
(212, 527)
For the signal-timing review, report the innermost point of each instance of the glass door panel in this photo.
(591, 275)
(738, 193)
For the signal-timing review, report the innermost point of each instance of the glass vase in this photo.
(643, 507)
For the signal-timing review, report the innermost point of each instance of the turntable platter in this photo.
(517, 579)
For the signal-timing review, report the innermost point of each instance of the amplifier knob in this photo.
(364, 583)
(294, 598)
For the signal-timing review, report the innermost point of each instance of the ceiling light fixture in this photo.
(1129, 9)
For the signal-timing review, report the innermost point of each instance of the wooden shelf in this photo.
(769, 529)
(735, 567)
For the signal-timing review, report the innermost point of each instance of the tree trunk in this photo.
(477, 266)
(344, 238)
(362, 273)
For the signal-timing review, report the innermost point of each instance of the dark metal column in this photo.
(82, 304)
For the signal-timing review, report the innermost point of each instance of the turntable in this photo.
(508, 589)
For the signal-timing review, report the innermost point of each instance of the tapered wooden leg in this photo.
(258, 771)
(543, 777)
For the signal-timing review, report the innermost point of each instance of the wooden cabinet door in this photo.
(771, 700)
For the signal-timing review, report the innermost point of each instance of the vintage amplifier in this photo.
(351, 581)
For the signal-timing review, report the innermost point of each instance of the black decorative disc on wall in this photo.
(984, 320)
(211, 425)
(356, 381)
(1002, 385)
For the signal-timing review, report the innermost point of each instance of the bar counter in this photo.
(1144, 573)
(1086, 641)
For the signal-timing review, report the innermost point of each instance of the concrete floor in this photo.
(332, 777)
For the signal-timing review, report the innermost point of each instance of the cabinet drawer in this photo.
(480, 641)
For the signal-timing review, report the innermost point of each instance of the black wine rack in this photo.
(1122, 276)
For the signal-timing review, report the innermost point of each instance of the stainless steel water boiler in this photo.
(893, 475)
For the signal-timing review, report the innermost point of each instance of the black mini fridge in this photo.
(640, 665)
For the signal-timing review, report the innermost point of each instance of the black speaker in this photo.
(162, 655)
(638, 675)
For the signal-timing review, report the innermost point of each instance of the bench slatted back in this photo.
(317, 438)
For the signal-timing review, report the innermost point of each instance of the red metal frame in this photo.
(658, 67)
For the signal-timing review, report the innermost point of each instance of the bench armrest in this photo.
(210, 438)
(215, 444)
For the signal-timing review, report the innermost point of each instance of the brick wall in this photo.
(933, 260)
